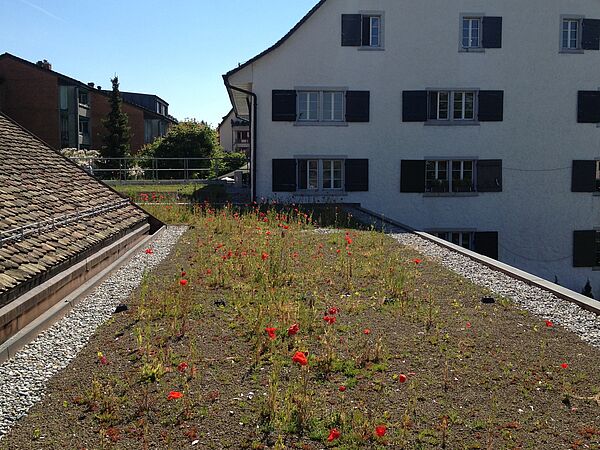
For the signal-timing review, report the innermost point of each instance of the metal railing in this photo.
(161, 169)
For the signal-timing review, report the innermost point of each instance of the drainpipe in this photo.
(253, 127)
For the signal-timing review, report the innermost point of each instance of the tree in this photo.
(117, 141)
(187, 139)
(587, 290)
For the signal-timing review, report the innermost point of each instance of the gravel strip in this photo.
(537, 301)
(23, 378)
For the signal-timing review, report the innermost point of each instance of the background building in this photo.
(234, 134)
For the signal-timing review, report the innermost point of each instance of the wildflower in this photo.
(333, 311)
(329, 319)
(295, 255)
(342, 388)
(183, 282)
(268, 233)
(183, 274)
(174, 395)
(102, 359)
(564, 365)
(366, 331)
(286, 227)
(349, 253)
(264, 256)
(549, 323)
(334, 434)
(417, 261)
(182, 367)
(402, 378)
(208, 271)
(469, 325)
(380, 430)
(271, 332)
(300, 358)
(293, 329)
(348, 240)
(149, 251)
(338, 251)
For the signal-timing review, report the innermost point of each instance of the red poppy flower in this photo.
(300, 358)
(149, 251)
(338, 251)
(564, 365)
(342, 388)
(402, 378)
(469, 325)
(103, 360)
(293, 329)
(380, 430)
(268, 233)
(264, 256)
(329, 319)
(183, 274)
(333, 311)
(366, 331)
(295, 255)
(183, 282)
(174, 395)
(549, 323)
(182, 367)
(271, 332)
(348, 240)
(208, 271)
(334, 434)
(286, 227)
(417, 261)
(349, 253)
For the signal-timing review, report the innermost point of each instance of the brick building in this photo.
(66, 113)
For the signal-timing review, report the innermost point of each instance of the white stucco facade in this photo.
(536, 213)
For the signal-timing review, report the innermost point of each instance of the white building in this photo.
(234, 134)
(477, 120)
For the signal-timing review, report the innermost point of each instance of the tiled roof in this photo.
(51, 211)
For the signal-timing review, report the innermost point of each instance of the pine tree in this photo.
(587, 290)
(118, 140)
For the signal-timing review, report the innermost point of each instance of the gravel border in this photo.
(24, 377)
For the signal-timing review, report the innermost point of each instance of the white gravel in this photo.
(24, 377)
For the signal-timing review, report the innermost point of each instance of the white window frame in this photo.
(452, 93)
(449, 180)
(470, 29)
(598, 175)
(318, 166)
(463, 109)
(570, 19)
(380, 15)
(321, 117)
(448, 235)
(87, 96)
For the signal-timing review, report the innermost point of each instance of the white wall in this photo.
(536, 213)
(226, 133)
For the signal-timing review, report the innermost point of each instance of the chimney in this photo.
(99, 88)
(44, 64)
(91, 84)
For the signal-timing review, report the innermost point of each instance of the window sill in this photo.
(371, 49)
(452, 123)
(318, 193)
(596, 194)
(451, 194)
(471, 50)
(574, 51)
(320, 124)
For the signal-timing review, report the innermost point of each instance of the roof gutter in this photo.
(253, 127)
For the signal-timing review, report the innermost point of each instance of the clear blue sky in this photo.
(176, 49)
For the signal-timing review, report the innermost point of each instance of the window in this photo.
(570, 34)
(83, 98)
(471, 32)
(449, 176)
(364, 30)
(242, 137)
(84, 126)
(320, 174)
(320, 106)
(461, 238)
(371, 31)
(461, 103)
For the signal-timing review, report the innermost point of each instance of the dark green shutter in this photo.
(590, 34)
(492, 32)
(489, 175)
(284, 175)
(356, 177)
(486, 243)
(491, 106)
(584, 248)
(588, 107)
(414, 106)
(358, 105)
(351, 30)
(583, 178)
(412, 176)
(302, 174)
(284, 106)
(366, 31)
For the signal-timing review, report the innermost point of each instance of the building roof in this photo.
(52, 213)
(279, 42)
